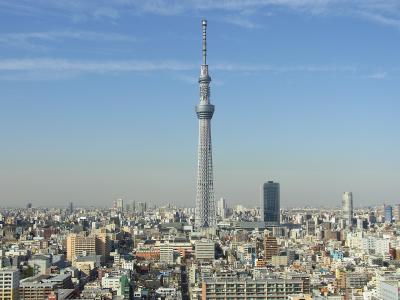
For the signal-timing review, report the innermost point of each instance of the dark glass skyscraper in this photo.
(270, 203)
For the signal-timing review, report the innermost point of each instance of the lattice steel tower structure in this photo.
(205, 203)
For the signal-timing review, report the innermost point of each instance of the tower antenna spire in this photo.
(204, 26)
(205, 215)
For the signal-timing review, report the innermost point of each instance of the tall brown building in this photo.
(79, 244)
(103, 246)
(270, 247)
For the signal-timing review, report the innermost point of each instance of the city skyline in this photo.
(85, 91)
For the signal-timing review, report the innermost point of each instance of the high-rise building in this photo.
(388, 213)
(205, 203)
(119, 205)
(167, 253)
(221, 208)
(81, 245)
(141, 207)
(71, 208)
(347, 208)
(396, 212)
(133, 206)
(9, 284)
(270, 203)
(270, 247)
(103, 246)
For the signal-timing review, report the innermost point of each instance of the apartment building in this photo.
(271, 289)
(9, 283)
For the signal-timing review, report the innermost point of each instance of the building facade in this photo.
(389, 289)
(221, 208)
(270, 203)
(274, 289)
(205, 250)
(347, 208)
(9, 284)
(81, 245)
(167, 253)
(41, 286)
(270, 247)
(388, 213)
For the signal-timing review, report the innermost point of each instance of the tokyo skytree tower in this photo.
(205, 203)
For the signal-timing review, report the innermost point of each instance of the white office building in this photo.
(389, 290)
(347, 207)
(205, 250)
(167, 253)
(221, 208)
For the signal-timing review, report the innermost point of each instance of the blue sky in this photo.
(97, 100)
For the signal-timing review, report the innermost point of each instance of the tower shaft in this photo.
(205, 202)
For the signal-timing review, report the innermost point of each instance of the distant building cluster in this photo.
(147, 252)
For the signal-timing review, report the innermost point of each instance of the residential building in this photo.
(251, 289)
(9, 284)
(82, 245)
(41, 286)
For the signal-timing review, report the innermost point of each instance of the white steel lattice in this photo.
(205, 203)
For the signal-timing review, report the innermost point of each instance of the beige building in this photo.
(81, 245)
(103, 246)
(9, 284)
(279, 260)
(85, 267)
(78, 245)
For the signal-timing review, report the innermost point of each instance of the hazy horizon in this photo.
(98, 100)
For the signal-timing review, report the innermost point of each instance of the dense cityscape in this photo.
(132, 251)
(207, 249)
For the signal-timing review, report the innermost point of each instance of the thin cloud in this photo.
(240, 21)
(49, 64)
(385, 12)
(107, 12)
(102, 67)
(378, 75)
(382, 19)
(43, 41)
(282, 69)
(27, 37)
